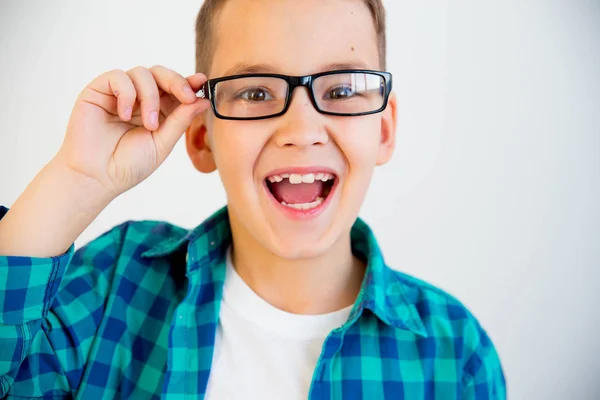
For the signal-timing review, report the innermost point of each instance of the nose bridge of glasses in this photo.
(300, 81)
(296, 81)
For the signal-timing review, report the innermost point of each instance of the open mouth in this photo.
(301, 191)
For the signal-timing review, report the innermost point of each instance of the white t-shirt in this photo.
(262, 352)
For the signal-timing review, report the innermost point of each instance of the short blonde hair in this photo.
(205, 23)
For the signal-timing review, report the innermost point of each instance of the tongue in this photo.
(297, 193)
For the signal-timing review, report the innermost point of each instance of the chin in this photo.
(295, 250)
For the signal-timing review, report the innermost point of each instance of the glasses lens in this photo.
(349, 93)
(250, 97)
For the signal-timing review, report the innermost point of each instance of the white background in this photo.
(492, 194)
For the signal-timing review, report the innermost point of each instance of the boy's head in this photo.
(293, 38)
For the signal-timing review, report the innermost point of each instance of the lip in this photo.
(301, 170)
(293, 213)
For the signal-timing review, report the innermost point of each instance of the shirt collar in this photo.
(385, 292)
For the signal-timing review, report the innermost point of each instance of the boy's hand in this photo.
(125, 124)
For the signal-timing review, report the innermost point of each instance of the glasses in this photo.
(260, 96)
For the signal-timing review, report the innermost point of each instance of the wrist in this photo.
(90, 195)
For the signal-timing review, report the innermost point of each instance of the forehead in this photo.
(293, 37)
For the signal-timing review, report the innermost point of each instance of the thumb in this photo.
(172, 128)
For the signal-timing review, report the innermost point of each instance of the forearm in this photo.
(51, 213)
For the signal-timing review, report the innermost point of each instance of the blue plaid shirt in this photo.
(133, 314)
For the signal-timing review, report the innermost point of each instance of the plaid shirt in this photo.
(133, 314)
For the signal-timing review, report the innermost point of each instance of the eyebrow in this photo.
(245, 68)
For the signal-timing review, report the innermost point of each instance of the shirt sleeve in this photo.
(49, 309)
(484, 376)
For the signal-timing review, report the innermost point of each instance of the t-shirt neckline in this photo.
(240, 298)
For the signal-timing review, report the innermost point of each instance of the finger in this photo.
(170, 103)
(115, 83)
(196, 81)
(147, 95)
(172, 83)
(173, 127)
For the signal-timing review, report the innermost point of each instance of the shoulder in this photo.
(448, 320)
(143, 234)
(114, 262)
(130, 240)
(432, 302)
(149, 234)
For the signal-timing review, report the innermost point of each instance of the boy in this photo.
(284, 293)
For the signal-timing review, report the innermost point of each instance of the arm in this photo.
(484, 377)
(51, 213)
(51, 298)
(49, 315)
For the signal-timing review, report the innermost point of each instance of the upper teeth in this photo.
(302, 178)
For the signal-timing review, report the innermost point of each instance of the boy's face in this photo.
(294, 38)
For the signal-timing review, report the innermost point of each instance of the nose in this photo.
(302, 125)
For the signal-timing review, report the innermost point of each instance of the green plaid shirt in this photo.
(133, 314)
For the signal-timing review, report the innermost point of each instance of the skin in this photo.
(304, 267)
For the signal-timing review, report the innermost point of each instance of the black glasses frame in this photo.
(293, 82)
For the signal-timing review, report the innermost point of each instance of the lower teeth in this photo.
(304, 206)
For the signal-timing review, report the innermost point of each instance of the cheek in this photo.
(359, 142)
(236, 150)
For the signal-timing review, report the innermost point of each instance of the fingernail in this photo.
(188, 91)
(154, 118)
(127, 113)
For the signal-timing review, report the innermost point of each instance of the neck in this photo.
(318, 285)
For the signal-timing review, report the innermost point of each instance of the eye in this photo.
(254, 94)
(340, 92)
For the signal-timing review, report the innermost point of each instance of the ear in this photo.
(198, 146)
(389, 121)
